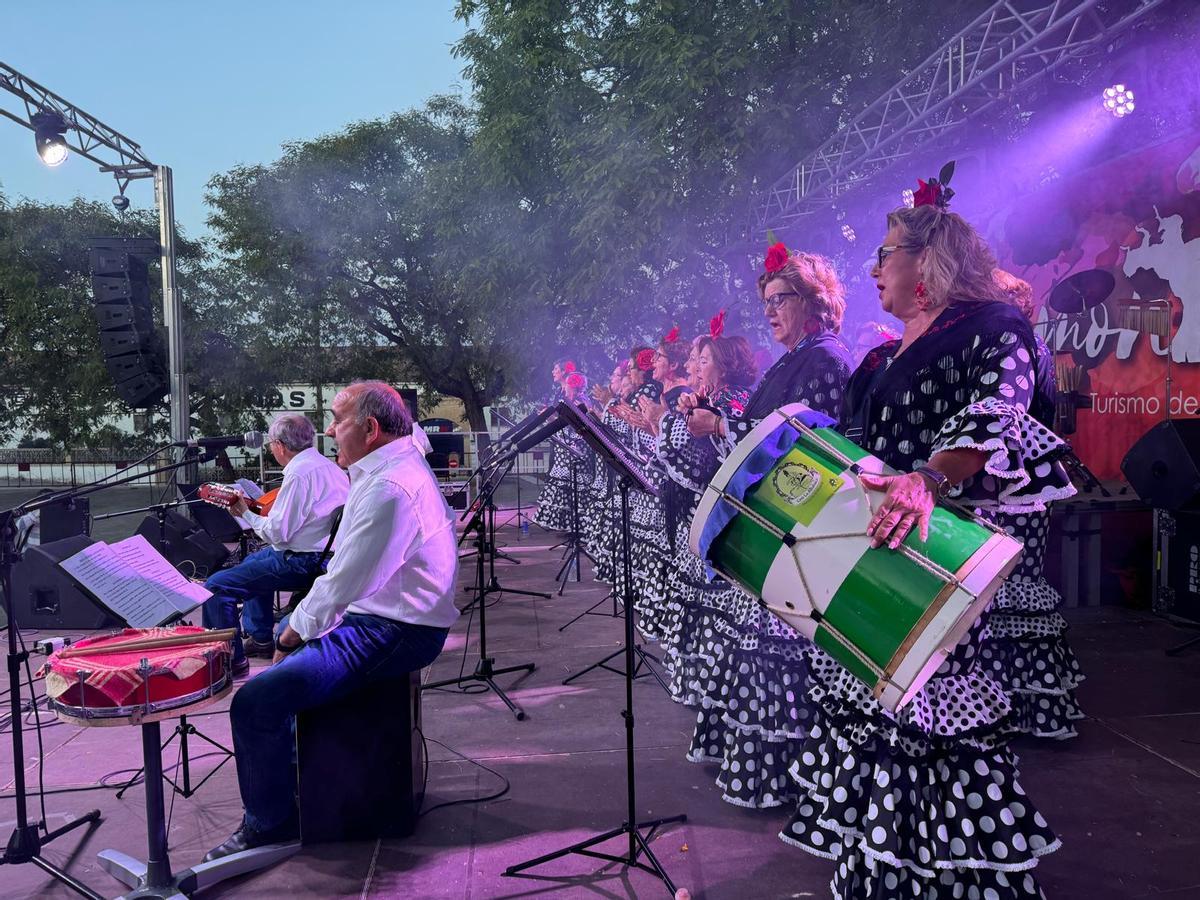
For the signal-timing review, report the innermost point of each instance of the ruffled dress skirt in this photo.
(1024, 645)
(925, 804)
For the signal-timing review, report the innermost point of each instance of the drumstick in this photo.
(160, 643)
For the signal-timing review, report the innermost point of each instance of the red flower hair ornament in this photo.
(645, 359)
(716, 325)
(575, 381)
(568, 367)
(935, 191)
(777, 257)
(672, 336)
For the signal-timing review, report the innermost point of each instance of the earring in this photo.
(922, 296)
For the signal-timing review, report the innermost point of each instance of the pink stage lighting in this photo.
(1118, 100)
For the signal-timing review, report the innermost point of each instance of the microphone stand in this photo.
(26, 842)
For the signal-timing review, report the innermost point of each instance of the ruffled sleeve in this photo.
(687, 461)
(1021, 472)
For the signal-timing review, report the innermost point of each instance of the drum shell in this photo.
(889, 616)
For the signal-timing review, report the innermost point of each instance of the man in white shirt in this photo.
(382, 609)
(296, 530)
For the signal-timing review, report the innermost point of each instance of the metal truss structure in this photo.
(1008, 47)
(85, 134)
(123, 158)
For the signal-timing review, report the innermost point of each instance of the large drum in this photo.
(786, 518)
(110, 685)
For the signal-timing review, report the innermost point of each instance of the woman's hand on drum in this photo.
(908, 502)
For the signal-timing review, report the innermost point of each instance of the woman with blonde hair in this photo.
(925, 802)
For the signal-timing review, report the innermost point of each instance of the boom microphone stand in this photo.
(638, 855)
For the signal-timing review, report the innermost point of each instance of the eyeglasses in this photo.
(772, 303)
(882, 253)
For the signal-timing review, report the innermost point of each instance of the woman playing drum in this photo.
(925, 803)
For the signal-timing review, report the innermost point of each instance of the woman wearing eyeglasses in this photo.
(925, 803)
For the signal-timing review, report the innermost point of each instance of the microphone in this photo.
(251, 440)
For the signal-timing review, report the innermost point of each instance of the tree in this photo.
(637, 133)
(51, 368)
(387, 227)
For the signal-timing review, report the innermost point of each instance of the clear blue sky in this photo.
(204, 86)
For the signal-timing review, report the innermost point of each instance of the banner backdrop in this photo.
(1138, 218)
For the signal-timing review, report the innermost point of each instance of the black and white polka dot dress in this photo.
(1024, 646)
(926, 802)
(741, 666)
(554, 501)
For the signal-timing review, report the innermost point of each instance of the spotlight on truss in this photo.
(848, 234)
(48, 128)
(1118, 100)
(907, 198)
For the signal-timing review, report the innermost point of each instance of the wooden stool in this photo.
(360, 763)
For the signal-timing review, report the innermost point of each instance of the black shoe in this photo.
(246, 838)
(260, 649)
(241, 668)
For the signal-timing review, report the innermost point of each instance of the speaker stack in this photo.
(128, 339)
(1163, 468)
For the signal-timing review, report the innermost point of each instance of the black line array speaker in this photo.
(1163, 467)
(47, 597)
(187, 547)
(132, 351)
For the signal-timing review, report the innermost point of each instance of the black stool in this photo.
(360, 764)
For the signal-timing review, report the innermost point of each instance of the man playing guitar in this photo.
(296, 530)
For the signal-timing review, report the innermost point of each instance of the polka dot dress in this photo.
(1024, 646)
(926, 803)
(554, 501)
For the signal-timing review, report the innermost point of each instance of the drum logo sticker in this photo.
(796, 483)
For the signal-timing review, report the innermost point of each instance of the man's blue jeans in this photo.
(253, 583)
(360, 651)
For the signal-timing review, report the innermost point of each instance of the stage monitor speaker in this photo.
(185, 546)
(47, 597)
(1177, 564)
(1163, 467)
(64, 519)
(219, 523)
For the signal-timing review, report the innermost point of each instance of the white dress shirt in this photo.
(396, 557)
(313, 488)
(421, 439)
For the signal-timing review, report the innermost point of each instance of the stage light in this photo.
(848, 233)
(907, 197)
(1118, 100)
(48, 128)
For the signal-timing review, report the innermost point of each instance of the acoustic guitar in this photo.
(224, 496)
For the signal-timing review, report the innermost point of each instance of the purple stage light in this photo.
(848, 234)
(907, 197)
(1118, 100)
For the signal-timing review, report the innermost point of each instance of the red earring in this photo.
(922, 296)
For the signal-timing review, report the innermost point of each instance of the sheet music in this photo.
(132, 579)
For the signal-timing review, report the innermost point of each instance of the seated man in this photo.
(381, 611)
(297, 530)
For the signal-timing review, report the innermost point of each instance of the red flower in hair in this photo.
(777, 257)
(575, 381)
(645, 359)
(568, 367)
(927, 194)
(672, 336)
(716, 325)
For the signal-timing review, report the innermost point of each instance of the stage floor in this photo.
(1123, 796)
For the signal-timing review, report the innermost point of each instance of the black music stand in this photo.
(610, 452)
(485, 510)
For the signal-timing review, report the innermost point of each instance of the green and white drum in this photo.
(786, 518)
